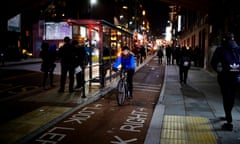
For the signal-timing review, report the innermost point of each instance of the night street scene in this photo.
(120, 72)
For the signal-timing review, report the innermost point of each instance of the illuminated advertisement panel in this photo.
(14, 24)
(57, 31)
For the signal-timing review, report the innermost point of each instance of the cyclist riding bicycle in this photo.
(127, 62)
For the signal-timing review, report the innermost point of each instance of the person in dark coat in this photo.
(184, 64)
(168, 54)
(48, 56)
(67, 56)
(79, 61)
(177, 54)
(160, 55)
(136, 51)
(143, 54)
(226, 80)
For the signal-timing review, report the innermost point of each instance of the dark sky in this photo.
(157, 13)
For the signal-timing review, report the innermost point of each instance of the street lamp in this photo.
(91, 4)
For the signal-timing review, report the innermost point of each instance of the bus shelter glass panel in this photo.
(109, 53)
(103, 41)
(94, 49)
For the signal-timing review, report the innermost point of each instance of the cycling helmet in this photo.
(125, 47)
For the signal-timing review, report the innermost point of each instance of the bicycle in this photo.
(122, 88)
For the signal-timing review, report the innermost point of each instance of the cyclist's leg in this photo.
(130, 82)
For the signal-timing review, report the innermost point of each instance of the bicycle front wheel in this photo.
(121, 92)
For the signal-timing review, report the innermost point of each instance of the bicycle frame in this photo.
(122, 88)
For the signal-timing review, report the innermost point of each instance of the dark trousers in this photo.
(130, 74)
(70, 70)
(159, 60)
(168, 60)
(45, 77)
(80, 79)
(183, 74)
(228, 90)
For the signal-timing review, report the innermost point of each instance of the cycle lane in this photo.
(103, 121)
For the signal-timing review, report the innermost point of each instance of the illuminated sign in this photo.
(57, 31)
(14, 24)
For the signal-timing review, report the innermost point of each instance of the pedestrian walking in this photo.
(184, 64)
(168, 54)
(173, 54)
(177, 53)
(143, 54)
(160, 55)
(136, 51)
(48, 56)
(225, 62)
(66, 54)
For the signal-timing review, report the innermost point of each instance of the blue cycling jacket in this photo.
(127, 62)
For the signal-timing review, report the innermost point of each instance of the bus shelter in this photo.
(104, 42)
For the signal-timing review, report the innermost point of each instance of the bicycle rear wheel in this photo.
(121, 95)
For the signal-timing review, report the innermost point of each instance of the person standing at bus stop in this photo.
(127, 62)
(48, 65)
(79, 62)
(66, 54)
